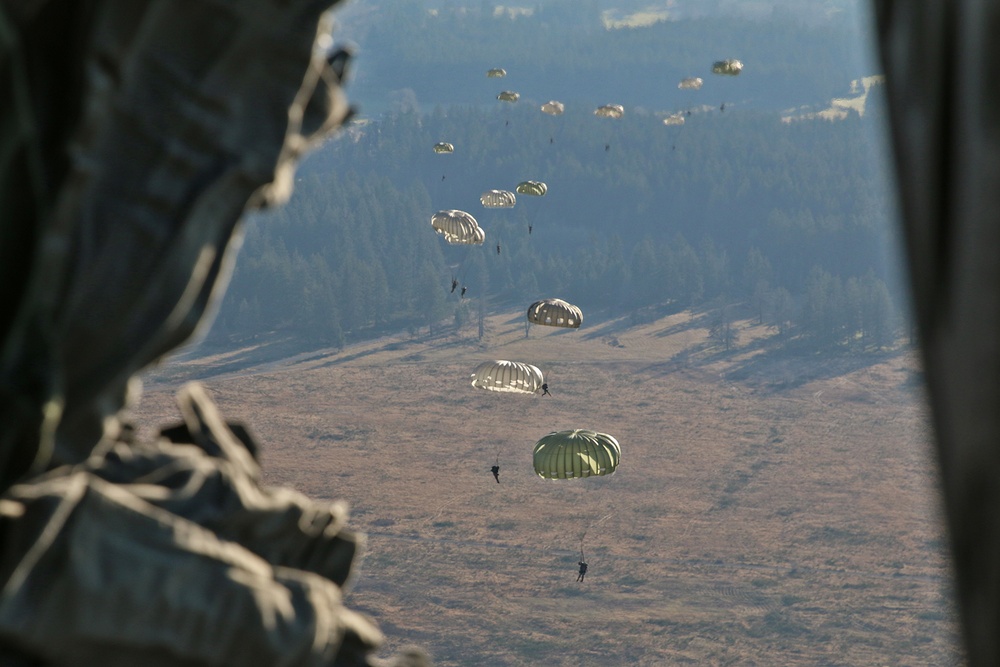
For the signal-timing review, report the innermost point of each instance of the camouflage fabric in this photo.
(172, 553)
(133, 135)
(944, 106)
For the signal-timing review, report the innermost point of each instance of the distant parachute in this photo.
(458, 227)
(553, 108)
(508, 376)
(610, 111)
(674, 119)
(555, 313)
(535, 188)
(576, 453)
(690, 83)
(497, 73)
(730, 67)
(509, 96)
(443, 147)
(498, 199)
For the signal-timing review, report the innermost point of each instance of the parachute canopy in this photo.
(555, 313)
(730, 67)
(458, 227)
(690, 83)
(553, 108)
(574, 454)
(674, 119)
(509, 96)
(498, 199)
(610, 111)
(497, 73)
(443, 147)
(508, 376)
(536, 188)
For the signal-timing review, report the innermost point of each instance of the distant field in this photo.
(769, 509)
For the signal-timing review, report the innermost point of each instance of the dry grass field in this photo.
(769, 509)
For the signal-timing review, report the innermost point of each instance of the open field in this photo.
(769, 509)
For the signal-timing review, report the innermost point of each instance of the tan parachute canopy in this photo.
(508, 376)
(555, 313)
(674, 119)
(690, 83)
(458, 227)
(730, 67)
(444, 147)
(509, 96)
(610, 111)
(536, 188)
(553, 108)
(498, 199)
(497, 73)
(575, 454)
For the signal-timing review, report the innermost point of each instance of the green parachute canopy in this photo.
(444, 147)
(575, 454)
(690, 83)
(497, 73)
(730, 67)
(498, 199)
(553, 108)
(511, 377)
(555, 313)
(610, 111)
(535, 188)
(509, 96)
(458, 227)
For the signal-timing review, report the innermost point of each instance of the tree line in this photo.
(792, 220)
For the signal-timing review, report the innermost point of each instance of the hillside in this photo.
(769, 508)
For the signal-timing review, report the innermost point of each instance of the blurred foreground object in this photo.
(940, 64)
(133, 135)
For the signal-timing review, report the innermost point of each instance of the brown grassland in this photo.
(770, 508)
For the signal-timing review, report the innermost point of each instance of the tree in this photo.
(722, 330)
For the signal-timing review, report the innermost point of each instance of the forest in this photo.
(790, 220)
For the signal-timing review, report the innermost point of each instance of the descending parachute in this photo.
(674, 119)
(443, 147)
(555, 313)
(498, 199)
(610, 111)
(553, 108)
(508, 376)
(690, 83)
(509, 96)
(576, 453)
(536, 188)
(458, 227)
(497, 73)
(730, 67)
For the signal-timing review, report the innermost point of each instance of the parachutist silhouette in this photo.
(463, 291)
(454, 284)
(496, 472)
(607, 147)
(688, 112)
(498, 248)
(722, 107)
(507, 123)
(442, 177)
(583, 571)
(545, 389)
(529, 229)
(550, 140)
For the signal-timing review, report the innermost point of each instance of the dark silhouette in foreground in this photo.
(583, 571)
(496, 472)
